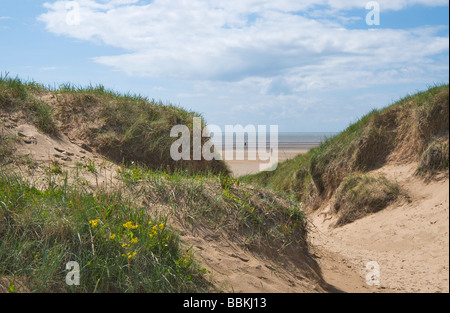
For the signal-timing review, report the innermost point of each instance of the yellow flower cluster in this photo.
(124, 245)
(130, 254)
(94, 223)
(185, 260)
(187, 257)
(155, 229)
(130, 225)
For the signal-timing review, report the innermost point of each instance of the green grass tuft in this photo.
(360, 194)
(44, 117)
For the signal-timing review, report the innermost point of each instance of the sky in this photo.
(306, 66)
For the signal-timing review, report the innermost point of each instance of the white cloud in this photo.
(265, 42)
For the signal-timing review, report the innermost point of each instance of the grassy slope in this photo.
(43, 227)
(124, 128)
(412, 129)
(42, 230)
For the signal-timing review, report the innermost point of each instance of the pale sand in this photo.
(244, 167)
(409, 239)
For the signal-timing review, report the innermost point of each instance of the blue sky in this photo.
(312, 65)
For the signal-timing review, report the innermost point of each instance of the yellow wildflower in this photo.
(161, 226)
(130, 255)
(125, 245)
(113, 236)
(94, 223)
(130, 225)
(134, 240)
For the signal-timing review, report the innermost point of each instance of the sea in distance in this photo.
(287, 141)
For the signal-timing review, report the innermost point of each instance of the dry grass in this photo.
(435, 158)
(259, 219)
(127, 129)
(360, 194)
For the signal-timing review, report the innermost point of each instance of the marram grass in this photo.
(119, 247)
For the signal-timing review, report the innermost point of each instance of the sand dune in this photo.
(409, 239)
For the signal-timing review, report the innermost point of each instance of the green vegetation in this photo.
(119, 247)
(12, 92)
(6, 148)
(255, 217)
(360, 194)
(43, 117)
(16, 95)
(291, 176)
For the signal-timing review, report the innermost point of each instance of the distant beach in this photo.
(289, 145)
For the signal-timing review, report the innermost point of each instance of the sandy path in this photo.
(409, 240)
